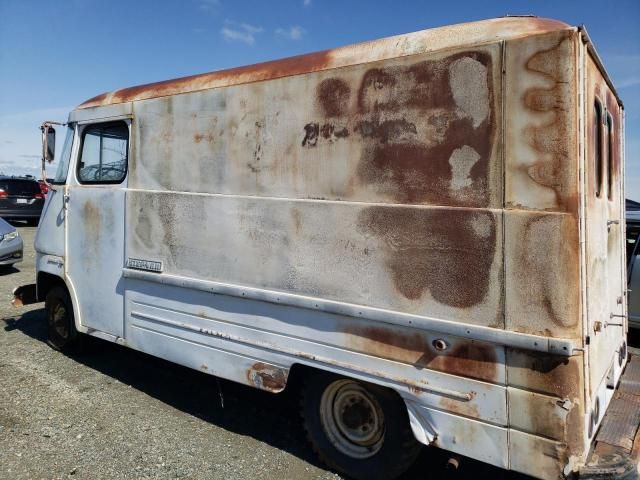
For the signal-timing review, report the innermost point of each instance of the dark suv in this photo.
(20, 199)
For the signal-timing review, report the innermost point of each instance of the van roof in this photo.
(472, 33)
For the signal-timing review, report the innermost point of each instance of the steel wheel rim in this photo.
(59, 320)
(352, 419)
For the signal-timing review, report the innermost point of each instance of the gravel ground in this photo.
(113, 413)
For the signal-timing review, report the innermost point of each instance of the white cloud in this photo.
(292, 33)
(209, 5)
(240, 32)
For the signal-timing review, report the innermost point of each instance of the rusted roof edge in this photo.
(477, 33)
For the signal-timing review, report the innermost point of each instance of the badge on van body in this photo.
(148, 265)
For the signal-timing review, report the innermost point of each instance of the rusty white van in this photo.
(428, 229)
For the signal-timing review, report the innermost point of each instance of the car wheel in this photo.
(356, 428)
(63, 335)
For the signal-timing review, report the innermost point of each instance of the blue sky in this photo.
(55, 54)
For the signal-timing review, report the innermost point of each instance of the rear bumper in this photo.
(616, 449)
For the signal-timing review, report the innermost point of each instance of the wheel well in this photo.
(297, 374)
(45, 282)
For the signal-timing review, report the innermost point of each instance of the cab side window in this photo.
(104, 153)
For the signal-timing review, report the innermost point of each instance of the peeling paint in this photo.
(267, 377)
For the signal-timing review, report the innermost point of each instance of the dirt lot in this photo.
(112, 413)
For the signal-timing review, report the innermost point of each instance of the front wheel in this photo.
(357, 428)
(63, 335)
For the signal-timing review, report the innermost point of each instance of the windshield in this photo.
(65, 157)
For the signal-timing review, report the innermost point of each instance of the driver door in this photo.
(95, 224)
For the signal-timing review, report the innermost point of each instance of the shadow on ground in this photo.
(22, 223)
(269, 418)
(7, 270)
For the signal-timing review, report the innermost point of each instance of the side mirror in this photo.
(48, 143)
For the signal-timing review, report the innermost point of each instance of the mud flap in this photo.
(24, 295)
(616, 450)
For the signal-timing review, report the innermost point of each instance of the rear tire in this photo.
(356, 428)
(63, 335)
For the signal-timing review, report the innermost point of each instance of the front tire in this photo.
(63, 335)
(358, 429)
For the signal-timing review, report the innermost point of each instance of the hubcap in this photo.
(352, 419)
(60, 323)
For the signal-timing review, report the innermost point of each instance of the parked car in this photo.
(21, 198)
(43, 187)
(10, 244)
(633, 266)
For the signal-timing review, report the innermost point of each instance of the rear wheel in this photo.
(358, 428)
(63, 335)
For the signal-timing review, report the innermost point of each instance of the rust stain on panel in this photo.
(553, 140)
(250, 73)
(542, 256)
(459, 407)
(538, 414)
(199, 137)
(445, 162)
(447, 253)
(539, 456)
(92, 222)
(464, 357)
(267, 377)
(545, 373)
(332, 132)
(91, 216)
(333, 95)
(541, 133)
(557, 377)
(387, 130)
